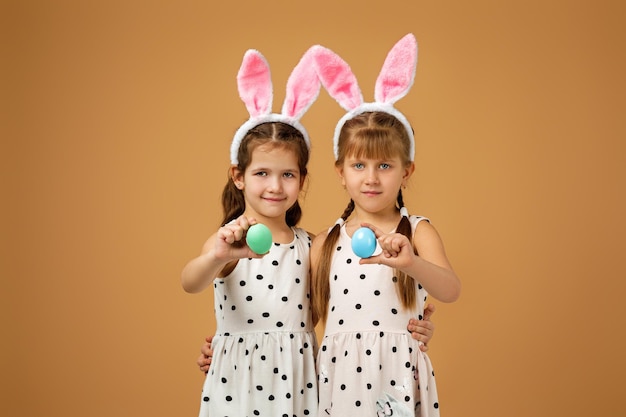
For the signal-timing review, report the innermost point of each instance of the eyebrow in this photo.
(255, 169)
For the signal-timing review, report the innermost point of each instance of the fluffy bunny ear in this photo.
(398, 72)
(255, 89)
(303, 87)
(255, 83)
(394, 82)
(337, 78)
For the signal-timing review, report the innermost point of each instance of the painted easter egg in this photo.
(363, 242)
(259, 238)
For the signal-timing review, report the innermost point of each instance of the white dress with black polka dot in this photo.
(368, 364)
(264, 346)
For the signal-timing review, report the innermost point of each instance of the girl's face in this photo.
(373, 184)
(271, 183)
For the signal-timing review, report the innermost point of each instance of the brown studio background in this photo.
(116, 122)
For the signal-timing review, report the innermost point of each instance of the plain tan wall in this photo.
(116, 122)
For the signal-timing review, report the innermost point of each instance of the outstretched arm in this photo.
(430, 267)
(223, 248)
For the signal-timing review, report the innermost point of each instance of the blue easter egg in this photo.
(259, 238)
(363, 242)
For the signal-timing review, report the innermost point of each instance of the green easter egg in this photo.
(259, 238)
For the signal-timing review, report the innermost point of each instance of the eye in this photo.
(289, 175)
(261, 173)
(384, 165)
(358, 165)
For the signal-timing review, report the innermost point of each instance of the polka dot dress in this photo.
(264, 347)
(368, 364)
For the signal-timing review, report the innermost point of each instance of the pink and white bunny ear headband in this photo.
(394, 82)
(255, 89)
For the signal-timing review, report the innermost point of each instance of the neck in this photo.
(385, 221)
(281, 232)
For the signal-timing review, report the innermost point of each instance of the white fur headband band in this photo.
(394, 82)
(255, 89)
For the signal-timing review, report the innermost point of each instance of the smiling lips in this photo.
(273, 199)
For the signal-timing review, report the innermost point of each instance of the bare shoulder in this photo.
(425, 230)
(429, 244)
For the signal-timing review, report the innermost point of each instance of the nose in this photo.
(275, 184)
(372, 176)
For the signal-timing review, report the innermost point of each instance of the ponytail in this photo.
(233, 202)
(321, 275)
(405, 285)
(293, 215)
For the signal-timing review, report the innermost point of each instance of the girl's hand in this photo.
(206, 355)
(230, 243)
(397, 250)
(219, 253)
(423, 330)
